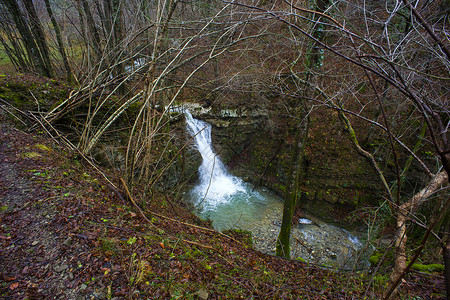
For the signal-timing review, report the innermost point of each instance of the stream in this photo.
(231, 203)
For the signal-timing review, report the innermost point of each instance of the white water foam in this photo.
(216, 184)
(304, 221)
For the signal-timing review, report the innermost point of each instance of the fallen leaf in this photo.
(32, 285)
(13, 286)
(9, 278)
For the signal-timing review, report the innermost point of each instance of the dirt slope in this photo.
(66, 234)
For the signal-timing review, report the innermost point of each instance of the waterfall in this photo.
(229, 202)
(216, 184)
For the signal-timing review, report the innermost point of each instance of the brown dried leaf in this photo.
(13, 286)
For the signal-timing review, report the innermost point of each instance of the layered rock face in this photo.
(253, 147)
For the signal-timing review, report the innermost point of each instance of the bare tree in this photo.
(61, 48)
(297, 171)
(39, 36)
(32, 35)
(399, 55)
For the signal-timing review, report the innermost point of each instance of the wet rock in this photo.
(60, 268)
(99, 295)
(203, 294)
(68, 241)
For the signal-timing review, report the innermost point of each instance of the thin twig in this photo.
(198, 244)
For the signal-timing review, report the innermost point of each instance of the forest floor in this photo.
(68, 233)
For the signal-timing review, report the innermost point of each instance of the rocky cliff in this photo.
(257, 148)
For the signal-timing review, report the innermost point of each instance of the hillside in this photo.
(70, 230)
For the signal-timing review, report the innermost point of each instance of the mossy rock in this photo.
(387, 258)
(431, 268)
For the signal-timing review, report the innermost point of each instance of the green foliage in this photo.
(140, 270)
(380, 280)
(43, 147)
(131, 240)
(32, 155)
(375, 258)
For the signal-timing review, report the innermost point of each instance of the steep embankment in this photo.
(66, 232)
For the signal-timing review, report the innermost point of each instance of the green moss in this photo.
(428, 268)
(109, 245)
(42, 147)
(26, 91)
(17, 98)
(32, 155)
(280, 188)
(375, 258)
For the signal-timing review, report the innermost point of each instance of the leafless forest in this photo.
(379, 68)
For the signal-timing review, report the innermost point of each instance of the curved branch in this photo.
(428, 28)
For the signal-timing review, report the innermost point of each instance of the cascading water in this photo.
(216, 184)
(230, 203)
(221, 197)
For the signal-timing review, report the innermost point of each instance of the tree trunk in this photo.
(27, 36)
(118, 26)
(101, 14)
(92, 27)
(297, 167)
(12, 55)
(61, 48)
(283, 247)
(13, 49)
(296, 177)
(79, 9)
(404, 211)
(108, 19)
(38, 32)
